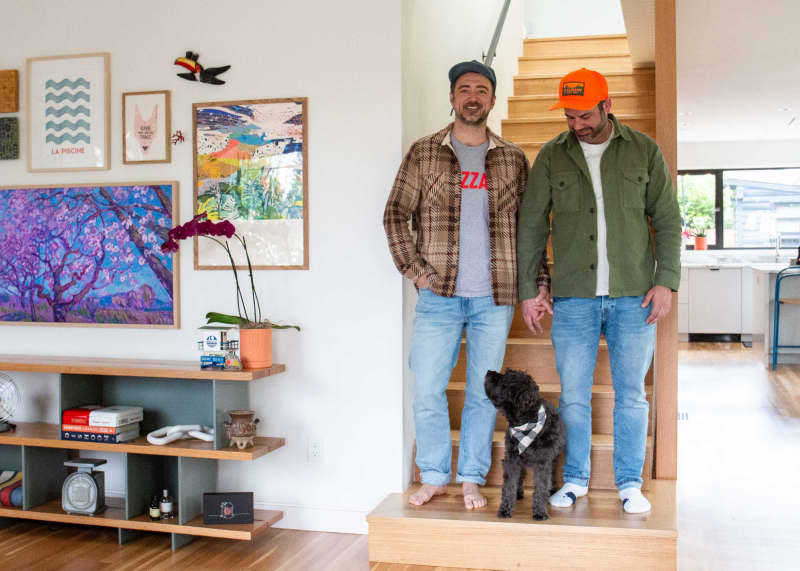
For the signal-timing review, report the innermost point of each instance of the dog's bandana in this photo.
(526, 433)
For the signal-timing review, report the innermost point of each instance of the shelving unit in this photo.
(172, 393)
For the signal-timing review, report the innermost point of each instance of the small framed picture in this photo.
(146, 127)
(68, 122)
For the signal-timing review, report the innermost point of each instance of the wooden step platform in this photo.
(622, 102)
(618, 61)
(575, 46)
(593, 534)
(640, 79)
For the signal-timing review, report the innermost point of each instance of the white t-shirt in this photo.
(593, 154)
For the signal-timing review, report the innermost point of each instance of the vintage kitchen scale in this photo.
(84, 491)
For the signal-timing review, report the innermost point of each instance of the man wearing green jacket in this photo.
(601, 182)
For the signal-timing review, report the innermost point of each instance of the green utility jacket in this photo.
(636, 186)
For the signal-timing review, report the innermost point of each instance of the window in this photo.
(741, 208)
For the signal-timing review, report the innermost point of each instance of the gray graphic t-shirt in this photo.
(474, 272)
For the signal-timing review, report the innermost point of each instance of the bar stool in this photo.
(786, 273)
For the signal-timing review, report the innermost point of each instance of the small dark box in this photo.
(227, 507)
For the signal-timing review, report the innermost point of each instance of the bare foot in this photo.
(472, 496)
(425, 493)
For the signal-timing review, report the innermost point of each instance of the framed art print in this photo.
(68, 113)
(145, 127)
(88, 254)
(251, 167)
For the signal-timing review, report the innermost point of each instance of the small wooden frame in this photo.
(146, 127)
(68, 120)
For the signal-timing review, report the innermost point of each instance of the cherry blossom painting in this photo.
(88, 255)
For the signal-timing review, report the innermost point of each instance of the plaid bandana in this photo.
(526, 433)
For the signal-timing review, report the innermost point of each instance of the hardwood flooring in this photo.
(738, 508)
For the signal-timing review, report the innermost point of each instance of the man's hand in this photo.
(662, 302)
(422, 282)
(533, 309)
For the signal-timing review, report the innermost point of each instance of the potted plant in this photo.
(700, 225)
(255, 331)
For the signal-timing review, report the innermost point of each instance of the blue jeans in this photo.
(436, 342)
(577, 325)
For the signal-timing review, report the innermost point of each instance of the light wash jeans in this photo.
(577, 324)
(438, 327)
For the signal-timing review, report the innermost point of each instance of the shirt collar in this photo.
(447, 132)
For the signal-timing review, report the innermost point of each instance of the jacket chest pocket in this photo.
(506, 195)
(634, 187)
(436, 192)
(566, 192)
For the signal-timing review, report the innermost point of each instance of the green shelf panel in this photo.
(43, 472)
(228, 395)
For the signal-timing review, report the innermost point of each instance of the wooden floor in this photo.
(738, 506)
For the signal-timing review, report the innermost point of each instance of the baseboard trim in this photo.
(310, 518)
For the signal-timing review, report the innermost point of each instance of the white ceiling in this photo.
(737, 67)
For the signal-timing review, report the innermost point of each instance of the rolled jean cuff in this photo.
(474, 479)
(629, 484)
(435, 478)
(583, 482)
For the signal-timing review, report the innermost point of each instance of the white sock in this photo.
(633, 502)
(567, 495)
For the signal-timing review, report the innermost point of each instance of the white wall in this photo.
(562, 18)
(738, 154)
(344, 377)
(436, 36)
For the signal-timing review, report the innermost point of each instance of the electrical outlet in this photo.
(314, 450)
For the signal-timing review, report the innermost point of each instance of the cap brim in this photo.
(578, 104)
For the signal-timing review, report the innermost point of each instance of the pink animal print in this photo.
(145, 131)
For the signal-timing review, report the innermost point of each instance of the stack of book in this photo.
(107, 425)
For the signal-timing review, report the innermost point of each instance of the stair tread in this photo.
(548, 118)
(600, 510)
(634, 71)
(611, 94)
(597, 390)
(571, 38)
(538, 341)
(587, 55)
(499, 438)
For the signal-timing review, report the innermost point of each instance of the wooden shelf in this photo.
(130, 368)
(49, 436)
(115, 517)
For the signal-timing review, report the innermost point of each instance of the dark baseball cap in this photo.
(471, 67)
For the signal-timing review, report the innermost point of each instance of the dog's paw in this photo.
(504, 513)
(540, 516)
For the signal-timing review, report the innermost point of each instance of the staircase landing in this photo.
(595, 533)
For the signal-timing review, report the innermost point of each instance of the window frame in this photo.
(719, 222)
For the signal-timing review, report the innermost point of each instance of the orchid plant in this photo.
(216, 231)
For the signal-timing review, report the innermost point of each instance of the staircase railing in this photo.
(488, 57)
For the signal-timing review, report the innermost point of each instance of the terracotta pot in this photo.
(700, 243)
(255, 347)
(242, 428)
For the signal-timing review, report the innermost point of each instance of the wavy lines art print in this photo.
(68, 112)
(69, 91)
(250, 168)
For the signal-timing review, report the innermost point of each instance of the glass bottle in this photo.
(165, 505)
(155, 511)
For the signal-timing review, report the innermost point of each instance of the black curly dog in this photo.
(516, 395)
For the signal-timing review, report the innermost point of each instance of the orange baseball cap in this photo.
(581, 89)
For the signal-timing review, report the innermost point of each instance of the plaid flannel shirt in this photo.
(427, 189)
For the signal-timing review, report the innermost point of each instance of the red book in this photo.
(78, 415)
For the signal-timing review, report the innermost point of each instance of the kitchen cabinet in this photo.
(715, 300)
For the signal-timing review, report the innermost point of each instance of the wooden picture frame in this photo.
(145, 130)
(67, 112)
(89, 255)
(251, 167)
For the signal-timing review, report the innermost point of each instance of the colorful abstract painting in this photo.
(250, 168)
(68, 110)
(9, 138)
(88, 255)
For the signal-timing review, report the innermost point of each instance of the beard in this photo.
(592, 134)
(473, 117)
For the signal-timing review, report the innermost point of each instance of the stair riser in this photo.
(520, 130)
(467, 544)
(637, 81)
(602, 461)
(602, 412)
(574, 48)
(565, 65)
(539, 362)
(520, 109)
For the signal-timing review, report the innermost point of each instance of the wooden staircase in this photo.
(595, 533)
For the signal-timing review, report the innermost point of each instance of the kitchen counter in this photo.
(764, 276)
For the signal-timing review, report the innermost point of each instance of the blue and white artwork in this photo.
(68, 99)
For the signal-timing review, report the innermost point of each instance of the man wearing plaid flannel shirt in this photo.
(461, 188)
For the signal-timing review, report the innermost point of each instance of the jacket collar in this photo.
(443, 138)
(620, 130)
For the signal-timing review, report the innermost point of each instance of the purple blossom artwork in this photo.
(88, 255)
